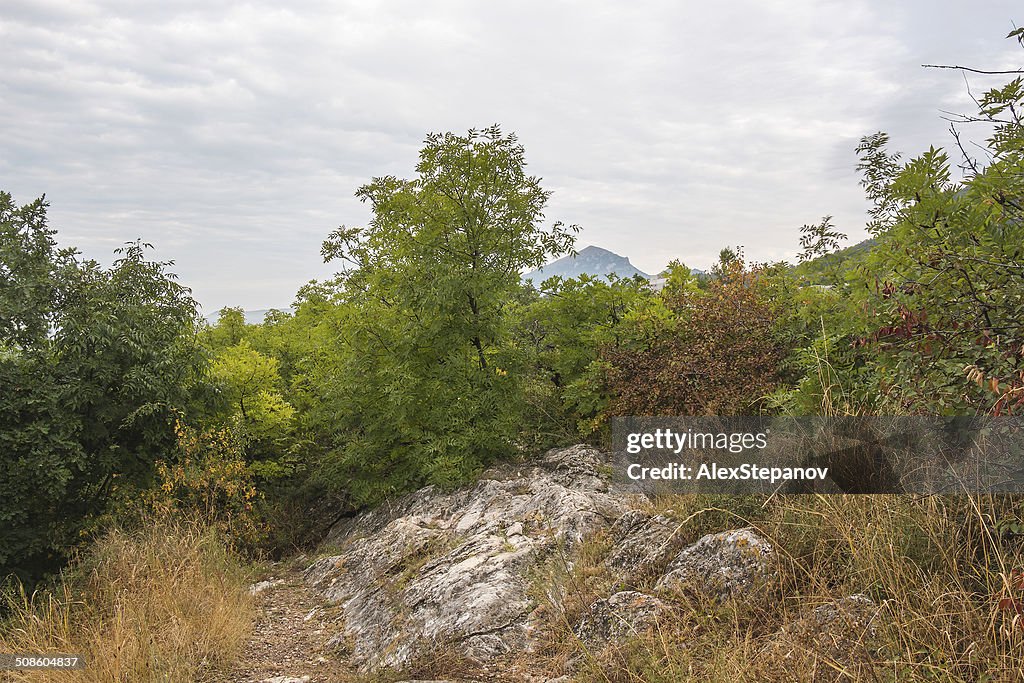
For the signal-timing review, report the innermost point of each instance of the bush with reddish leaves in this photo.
(722, 358)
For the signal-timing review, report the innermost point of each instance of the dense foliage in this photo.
(720, 357)
(94, 364)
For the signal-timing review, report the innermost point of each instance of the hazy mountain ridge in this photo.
(590, 260)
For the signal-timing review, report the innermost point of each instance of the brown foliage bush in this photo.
(720, 359)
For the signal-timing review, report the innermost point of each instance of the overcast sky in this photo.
(233, 135)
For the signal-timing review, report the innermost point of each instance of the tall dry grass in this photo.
(942, 571)
(166, 603)
(946, 580)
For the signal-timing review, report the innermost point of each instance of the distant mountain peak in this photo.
(590, 260)
(591, 250)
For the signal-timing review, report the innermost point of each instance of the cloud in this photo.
(234, 135)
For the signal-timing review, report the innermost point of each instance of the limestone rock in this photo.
(624, 614)
(835, 631)
(641, 546)
(259, 587)
(722, 565)
(439, 569)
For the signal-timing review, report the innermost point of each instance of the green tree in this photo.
(559, 335)
(945, 281)
(727, 259)
(39, 451)
(248, 381)
(229, 330)
(94, 365)
(679, 280)
(420, 390)
(929, 321)
(819, 240)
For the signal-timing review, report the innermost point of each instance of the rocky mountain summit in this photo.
(591, 260)
(476, 571)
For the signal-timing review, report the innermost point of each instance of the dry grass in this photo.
(947, 578)
(161, 604)
(946, 582)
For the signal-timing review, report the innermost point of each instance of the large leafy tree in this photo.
(560, 334)
(421, 390)
(39, 451)
(926, 316)
(94, 364)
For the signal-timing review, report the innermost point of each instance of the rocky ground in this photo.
(442, 583)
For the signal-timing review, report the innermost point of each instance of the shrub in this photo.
(721, 358)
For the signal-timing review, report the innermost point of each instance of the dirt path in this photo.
(289, 641)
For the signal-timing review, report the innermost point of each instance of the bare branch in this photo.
(967, 118)
(967, 68)
(968, 161)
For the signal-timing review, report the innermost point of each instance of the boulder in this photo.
(624, 614)
(438, 569)
(730, 564)
(835, 631)
(642, 545)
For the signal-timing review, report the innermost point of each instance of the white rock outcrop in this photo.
(452, 571)
(728, 564)
(440, 569)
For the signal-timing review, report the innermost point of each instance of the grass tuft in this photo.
(161, 604)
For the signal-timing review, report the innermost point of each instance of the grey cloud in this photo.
(233, 136)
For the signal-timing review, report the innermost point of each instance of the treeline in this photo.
(427, 358)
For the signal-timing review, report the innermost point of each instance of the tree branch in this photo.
(967, 68)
